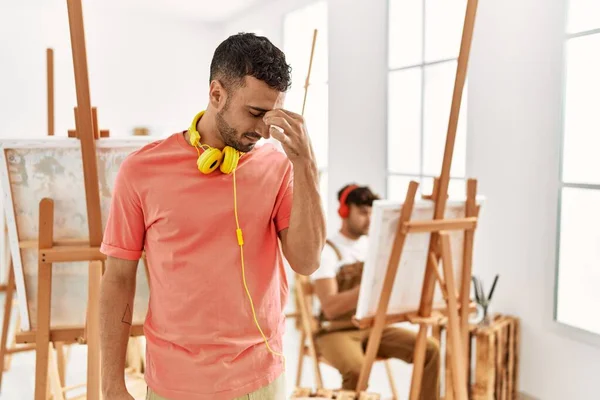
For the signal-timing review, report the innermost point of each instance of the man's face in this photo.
(359, 219)
(240, 114)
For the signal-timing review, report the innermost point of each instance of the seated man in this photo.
(342, 257)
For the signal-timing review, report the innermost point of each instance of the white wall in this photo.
(357, 97)
(266, 20)
(515, 104)
(145, 70)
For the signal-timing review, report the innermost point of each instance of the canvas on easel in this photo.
(33, 169)
(438, 267)
(406, 293)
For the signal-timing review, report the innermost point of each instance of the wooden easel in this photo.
(51, 251)
(439, 248)
(299, 279)
(7, 350)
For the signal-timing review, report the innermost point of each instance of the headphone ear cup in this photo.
(344, 211)
(231, 158)
(209, 160)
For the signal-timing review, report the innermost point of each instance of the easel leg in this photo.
(418, 363)
(55, 387)
(93, 331)
(470, 211)
(459, 380)
(300, 360)
(61, 361)
(390, 375)
(13, 343)
(8, 303)
(448, 375)
(386, 292)
(44, 290)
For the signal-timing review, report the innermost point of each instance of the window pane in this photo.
(439, 86)
(578, 297)
(405, 33)
(315, 115)
(398, 186)
(582, 117)
(404, 121)
(444, 20)
(584, 15)
(298, 30)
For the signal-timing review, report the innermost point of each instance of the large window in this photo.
(578, 276)
(424, 42)
(299, 26)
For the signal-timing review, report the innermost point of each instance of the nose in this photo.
(263, 130)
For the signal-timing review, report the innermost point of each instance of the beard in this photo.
(230, 135)
(357, 230)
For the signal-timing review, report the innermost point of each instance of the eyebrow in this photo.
(262, 110)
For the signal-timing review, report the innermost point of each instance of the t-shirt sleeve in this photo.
(284, 200)
(328, 265)
(125, 228)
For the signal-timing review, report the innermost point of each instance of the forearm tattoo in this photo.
(127, 317)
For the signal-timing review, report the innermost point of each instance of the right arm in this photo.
(116, 305)
(333, 302)
(123, 244)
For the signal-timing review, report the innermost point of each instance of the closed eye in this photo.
(259, 115)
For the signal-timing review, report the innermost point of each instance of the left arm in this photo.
(303, 241)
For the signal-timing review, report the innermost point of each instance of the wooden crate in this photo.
(305, 393)
(494, 360)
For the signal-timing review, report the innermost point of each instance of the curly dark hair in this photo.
(361, 196)
(248, 54)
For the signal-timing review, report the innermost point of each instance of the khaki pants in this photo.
(274, 391)
(345, 350)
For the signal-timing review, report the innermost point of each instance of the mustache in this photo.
(253, 135)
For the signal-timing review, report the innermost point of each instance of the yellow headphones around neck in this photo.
(211, 157)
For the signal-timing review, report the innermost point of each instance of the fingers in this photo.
(293, 115)
(280, 136)
(281, 123)
(292, 135)
(294, 121)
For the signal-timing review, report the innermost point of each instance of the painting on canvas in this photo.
(52, 167)
(406, 293)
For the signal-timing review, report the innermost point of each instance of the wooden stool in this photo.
(494, 350)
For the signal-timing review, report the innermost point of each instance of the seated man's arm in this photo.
(333, 302)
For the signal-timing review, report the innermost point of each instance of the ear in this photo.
(217, 95)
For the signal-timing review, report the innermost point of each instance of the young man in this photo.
(345, 348)
(209, 208)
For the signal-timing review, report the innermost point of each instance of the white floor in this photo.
(18, 381)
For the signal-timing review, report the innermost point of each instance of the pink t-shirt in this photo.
(202, 342)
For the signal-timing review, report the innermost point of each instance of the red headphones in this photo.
(344, 210)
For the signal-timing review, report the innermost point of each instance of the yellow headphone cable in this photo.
(240, 239)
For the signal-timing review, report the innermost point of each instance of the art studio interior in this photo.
(300, 199)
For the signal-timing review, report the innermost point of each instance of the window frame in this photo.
(562, 328)
(422, 66)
